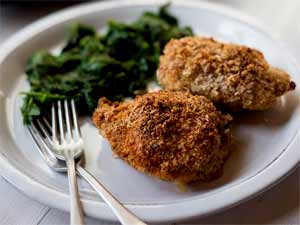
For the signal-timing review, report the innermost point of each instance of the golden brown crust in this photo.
(232, 76)
(171, 135)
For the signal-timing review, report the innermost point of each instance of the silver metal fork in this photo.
(59, 149)
(67, 145)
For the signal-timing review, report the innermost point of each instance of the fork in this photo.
(67, 146)
(61, 148)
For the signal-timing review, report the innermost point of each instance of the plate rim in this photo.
(159, 213)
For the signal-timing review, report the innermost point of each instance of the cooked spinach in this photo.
(115, 65)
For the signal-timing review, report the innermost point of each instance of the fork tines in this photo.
(60, 131)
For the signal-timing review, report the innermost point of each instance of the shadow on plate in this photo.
(277, 116)
(231, 168)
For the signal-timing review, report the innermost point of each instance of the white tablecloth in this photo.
(279, 205)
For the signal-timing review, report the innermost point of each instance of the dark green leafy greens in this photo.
(115, 65)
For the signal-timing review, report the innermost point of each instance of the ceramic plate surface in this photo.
(267, 143)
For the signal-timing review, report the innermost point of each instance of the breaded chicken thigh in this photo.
(232, 76)
(174, 136)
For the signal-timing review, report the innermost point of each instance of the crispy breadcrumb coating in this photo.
(175, 136)
(232, 76)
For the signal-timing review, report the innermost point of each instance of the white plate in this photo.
(267, 147)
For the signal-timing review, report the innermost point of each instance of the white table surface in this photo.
(279, 205)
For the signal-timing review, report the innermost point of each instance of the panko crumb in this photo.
(182, 187)
(174, 136)
(234, 77)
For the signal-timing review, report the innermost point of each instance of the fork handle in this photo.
(76, 210)
(124, 215)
